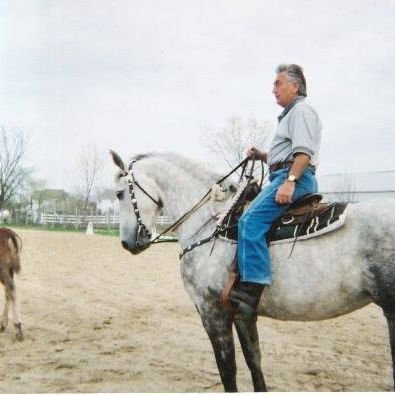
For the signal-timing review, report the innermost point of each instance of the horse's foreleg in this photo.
(16, 315)
(249, 339)
(391, 327)
(11, 298)
(219, 330)
(4, 319)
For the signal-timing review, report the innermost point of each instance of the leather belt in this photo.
(280, 165)
(284, 165)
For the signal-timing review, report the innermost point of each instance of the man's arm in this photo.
(285, 192)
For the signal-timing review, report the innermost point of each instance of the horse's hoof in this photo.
(19, 333)
(19, 336)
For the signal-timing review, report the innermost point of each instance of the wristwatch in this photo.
(291, 178)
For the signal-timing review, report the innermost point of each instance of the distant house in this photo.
(107, 203)
(357, 187)
(48, 200)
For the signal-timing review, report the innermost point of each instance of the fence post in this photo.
(76, 218)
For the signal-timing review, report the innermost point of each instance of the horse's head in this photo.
(139, 206)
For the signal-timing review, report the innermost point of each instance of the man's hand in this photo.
(285, 193)
(257, 154)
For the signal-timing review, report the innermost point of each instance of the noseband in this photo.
(141, 228)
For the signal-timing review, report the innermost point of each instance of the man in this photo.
(292, 159)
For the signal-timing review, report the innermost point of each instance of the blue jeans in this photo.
(252, 251)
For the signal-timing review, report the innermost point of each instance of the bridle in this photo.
(142, 230)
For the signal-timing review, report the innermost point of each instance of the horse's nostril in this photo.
(125, 245)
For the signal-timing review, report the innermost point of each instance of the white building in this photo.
(107, 202)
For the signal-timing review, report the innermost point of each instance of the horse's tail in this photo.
(15, 246)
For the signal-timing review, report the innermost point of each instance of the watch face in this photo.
(292, 178)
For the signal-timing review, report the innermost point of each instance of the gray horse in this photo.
(325, 277)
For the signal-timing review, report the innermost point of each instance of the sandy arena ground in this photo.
(97, 319)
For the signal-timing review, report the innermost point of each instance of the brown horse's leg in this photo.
(4, 319)
(11, 298)
(218, 326)
(17, 317)
(249, 339)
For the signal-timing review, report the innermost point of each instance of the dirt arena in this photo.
(97, 319)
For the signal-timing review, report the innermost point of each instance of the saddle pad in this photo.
(332, 218)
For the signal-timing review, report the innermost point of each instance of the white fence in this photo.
(76, 220)
(96, 220)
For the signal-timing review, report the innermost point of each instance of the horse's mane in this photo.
(197, 170)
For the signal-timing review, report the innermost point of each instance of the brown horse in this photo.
(10, 248)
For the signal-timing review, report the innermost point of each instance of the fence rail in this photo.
(96, 220)
(65, 219)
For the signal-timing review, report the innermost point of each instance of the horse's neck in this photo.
(181, 188)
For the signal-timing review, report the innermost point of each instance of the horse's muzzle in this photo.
(136, 249)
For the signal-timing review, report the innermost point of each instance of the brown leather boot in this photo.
(245, 298)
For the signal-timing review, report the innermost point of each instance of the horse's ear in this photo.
(117, 160)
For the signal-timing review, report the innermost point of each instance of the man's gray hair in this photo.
(295, 74)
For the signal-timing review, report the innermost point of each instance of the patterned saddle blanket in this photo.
(307, 217)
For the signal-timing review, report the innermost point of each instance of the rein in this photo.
(221, 227)
(199, 204)
(141, 227)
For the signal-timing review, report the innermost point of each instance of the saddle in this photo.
(305, 218)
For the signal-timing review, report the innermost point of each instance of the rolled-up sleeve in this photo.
(305, 130)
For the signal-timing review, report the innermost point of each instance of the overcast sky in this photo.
(145, 75)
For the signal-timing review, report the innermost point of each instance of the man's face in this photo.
(284, 90)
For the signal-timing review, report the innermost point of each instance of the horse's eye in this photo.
(119, 195)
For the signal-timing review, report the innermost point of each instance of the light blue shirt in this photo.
(298, 131)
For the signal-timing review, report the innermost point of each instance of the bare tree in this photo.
(231, 142)
(13, 173)
(90, 165)
(345, 188)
